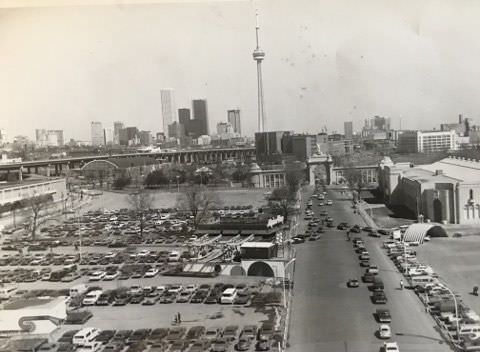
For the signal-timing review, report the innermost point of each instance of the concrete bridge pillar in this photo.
(20, 174)
(48, 170)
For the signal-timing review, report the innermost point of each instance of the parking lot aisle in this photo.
(327, 316)
(412, 328)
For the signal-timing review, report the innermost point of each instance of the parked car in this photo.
(379, 297)
(352, 283)
(383, 316)
(384, 331)
(96, 276)
(219, 345)
(390, 347)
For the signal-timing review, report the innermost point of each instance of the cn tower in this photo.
(258, 55)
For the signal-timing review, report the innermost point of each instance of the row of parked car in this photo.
(437, 297)
(378, 296)
(239, 294)
(179, 339)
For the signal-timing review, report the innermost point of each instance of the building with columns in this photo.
(447, 191)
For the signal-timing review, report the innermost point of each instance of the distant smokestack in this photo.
(460, 118)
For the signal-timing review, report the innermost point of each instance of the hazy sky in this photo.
(326, 62)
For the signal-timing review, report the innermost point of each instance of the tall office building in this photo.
(96, 132)
(233, 117)
(3, 136)
(117, 126)
(169, 110)
(49, 138)
(200, 113)
(108, 136)
(224, 128)
(348, 129)
(184, 116)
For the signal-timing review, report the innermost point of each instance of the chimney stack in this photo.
(460, 118)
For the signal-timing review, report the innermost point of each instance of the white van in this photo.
(174, 256)
(472, 330)
(228, 296)
(422, 280)
(85, 336)
(7, 291)
(91, 298)
(77, 290)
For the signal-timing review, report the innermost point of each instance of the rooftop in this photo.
(460, 169)
(25, 182)
(257, 245)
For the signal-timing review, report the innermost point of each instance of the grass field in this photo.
(162, 199)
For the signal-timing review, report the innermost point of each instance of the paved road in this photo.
(328, 316)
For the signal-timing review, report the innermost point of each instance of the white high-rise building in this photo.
(97, 133)
(169, 111)
(3, 136)
(108, 136)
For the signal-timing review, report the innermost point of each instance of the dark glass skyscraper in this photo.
(200, 114)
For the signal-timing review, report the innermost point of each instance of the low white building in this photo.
(17, 191)
(427, 141)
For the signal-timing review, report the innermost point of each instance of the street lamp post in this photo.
(288, 278)
(456, 311)
(285, 305)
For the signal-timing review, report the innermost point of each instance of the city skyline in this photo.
(410, 72)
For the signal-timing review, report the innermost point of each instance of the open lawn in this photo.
(162, 199)
(457, 262)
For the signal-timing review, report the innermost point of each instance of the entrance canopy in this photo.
(417, 232)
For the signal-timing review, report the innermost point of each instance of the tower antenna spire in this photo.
(258, 56)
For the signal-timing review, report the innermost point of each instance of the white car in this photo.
(390, 347)
(96, 276)
(190, 288)
(135, 290)
(384, 331)
(152, 272)
(372, 269)
(175, 288)
(91, 298)
(111, 276)
(329, 202)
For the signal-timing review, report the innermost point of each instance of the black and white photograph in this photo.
(239, 175)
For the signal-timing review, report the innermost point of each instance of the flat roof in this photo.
(27, 182)
(257, 245)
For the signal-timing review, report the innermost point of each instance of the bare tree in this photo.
(36, 204)
(141, 201)
(294, 176)
(198, 201)
(354, 179)
(282, 201)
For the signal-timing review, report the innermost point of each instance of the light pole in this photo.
(178, 184)
(288, 278)
(285, 305)
(456, 311)
(80, 236)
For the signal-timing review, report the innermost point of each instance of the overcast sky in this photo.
(326, 62)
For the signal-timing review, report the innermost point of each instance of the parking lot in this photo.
(132, 270)
(457, 262)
